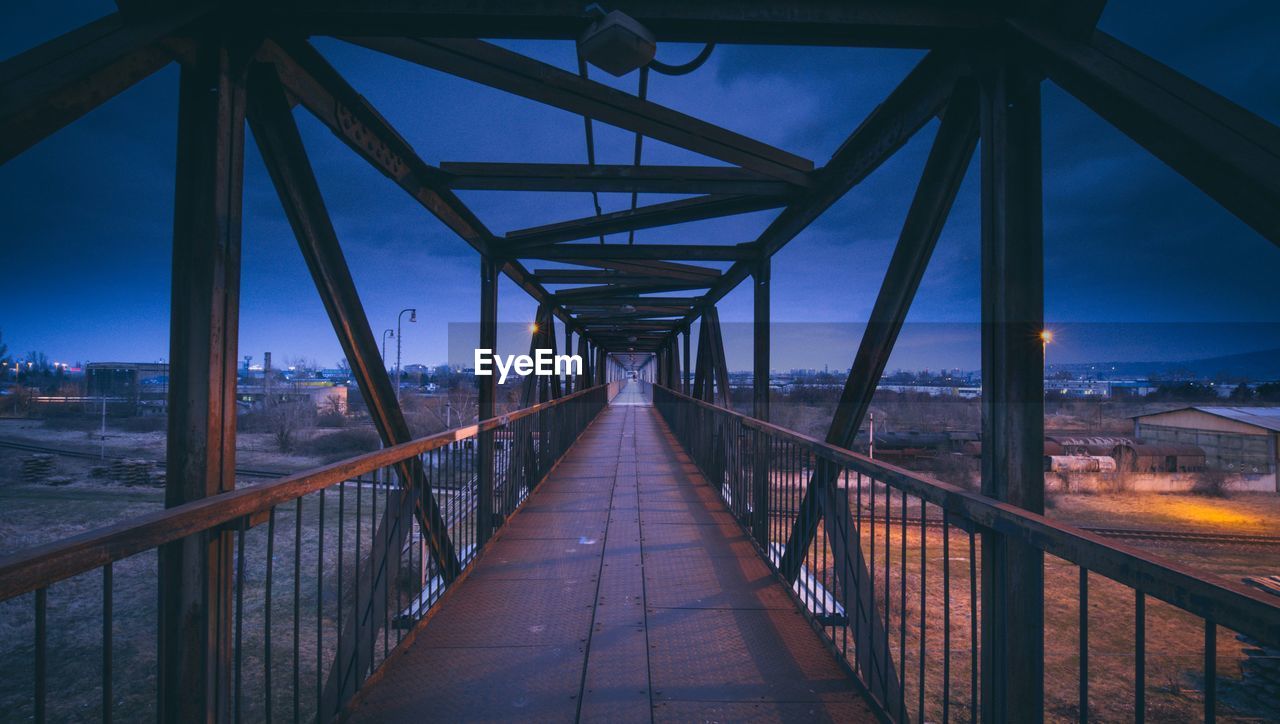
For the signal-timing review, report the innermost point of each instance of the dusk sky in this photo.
(87, 213)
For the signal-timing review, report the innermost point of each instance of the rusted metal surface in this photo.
(194, 638)
(621, 590)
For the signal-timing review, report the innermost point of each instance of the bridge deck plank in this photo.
(621, 591)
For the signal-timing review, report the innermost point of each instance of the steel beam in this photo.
(760, 401)
(911, 105)
(617, 252)
(1230, 153)
(644, 217)
(321, 90)
(609, 276)
(612, 291)
(286, 161)
(195, 616)
(623, 298)
(685, 376)
(499, 68)
(1012, 388)
(943, 172)
(875, 23)
(606, 178)
(666, 269)
(487, 398)
(53, 84)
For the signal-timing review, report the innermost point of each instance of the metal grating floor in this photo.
(621, 591)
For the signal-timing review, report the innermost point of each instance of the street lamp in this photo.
(413, 317)
(386, 333)
(1046, 336)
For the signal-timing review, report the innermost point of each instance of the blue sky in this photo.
(87, 213)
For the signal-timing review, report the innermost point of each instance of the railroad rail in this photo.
(85, 455)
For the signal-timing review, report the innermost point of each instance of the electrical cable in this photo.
(686, 68)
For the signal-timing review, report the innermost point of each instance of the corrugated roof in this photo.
(1267, 418)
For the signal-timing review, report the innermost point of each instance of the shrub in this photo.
(1212, 482)
(341, 444)
(331, 420)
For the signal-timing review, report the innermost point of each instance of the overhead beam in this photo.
(665, 268)
(615, 252)
(605, 291)
(606, 276)
(612, 178)
(503, 69)
(644, 217)
(584, 312)
(1228, 152)
(873, 23)
(53, 84)
(626, 298)
(587, 320)
(626, 326)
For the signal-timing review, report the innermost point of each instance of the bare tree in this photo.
(287, 419)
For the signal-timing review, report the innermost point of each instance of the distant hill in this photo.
(1260, 366)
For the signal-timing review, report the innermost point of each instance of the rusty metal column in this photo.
(687, 373)
(195, 574)
(568, 350)
(1012, 388)
(760, 402)
(488, 395)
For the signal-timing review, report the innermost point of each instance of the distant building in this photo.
(142, 386)
(1241, 440)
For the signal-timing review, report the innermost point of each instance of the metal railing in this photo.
(912, 634)
(330, 576)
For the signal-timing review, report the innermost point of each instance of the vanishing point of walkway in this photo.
(620, 591)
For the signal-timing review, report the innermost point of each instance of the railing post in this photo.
(1012, 388)
(195, 573)
(487, 395)
(760, 405)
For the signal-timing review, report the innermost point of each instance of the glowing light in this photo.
(1046, 336)
(533, 327)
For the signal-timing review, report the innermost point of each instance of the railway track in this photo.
(28, 447)
(1151, 534)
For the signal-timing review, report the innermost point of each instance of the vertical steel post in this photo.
(760, 402)
(1012, 387)
(568, 350)
(488, 395)
(195, 573)
(686, 374)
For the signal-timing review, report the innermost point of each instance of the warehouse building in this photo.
(1240, 440)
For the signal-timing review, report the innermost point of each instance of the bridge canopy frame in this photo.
(984, 61)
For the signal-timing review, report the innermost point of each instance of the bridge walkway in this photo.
(622, 590)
